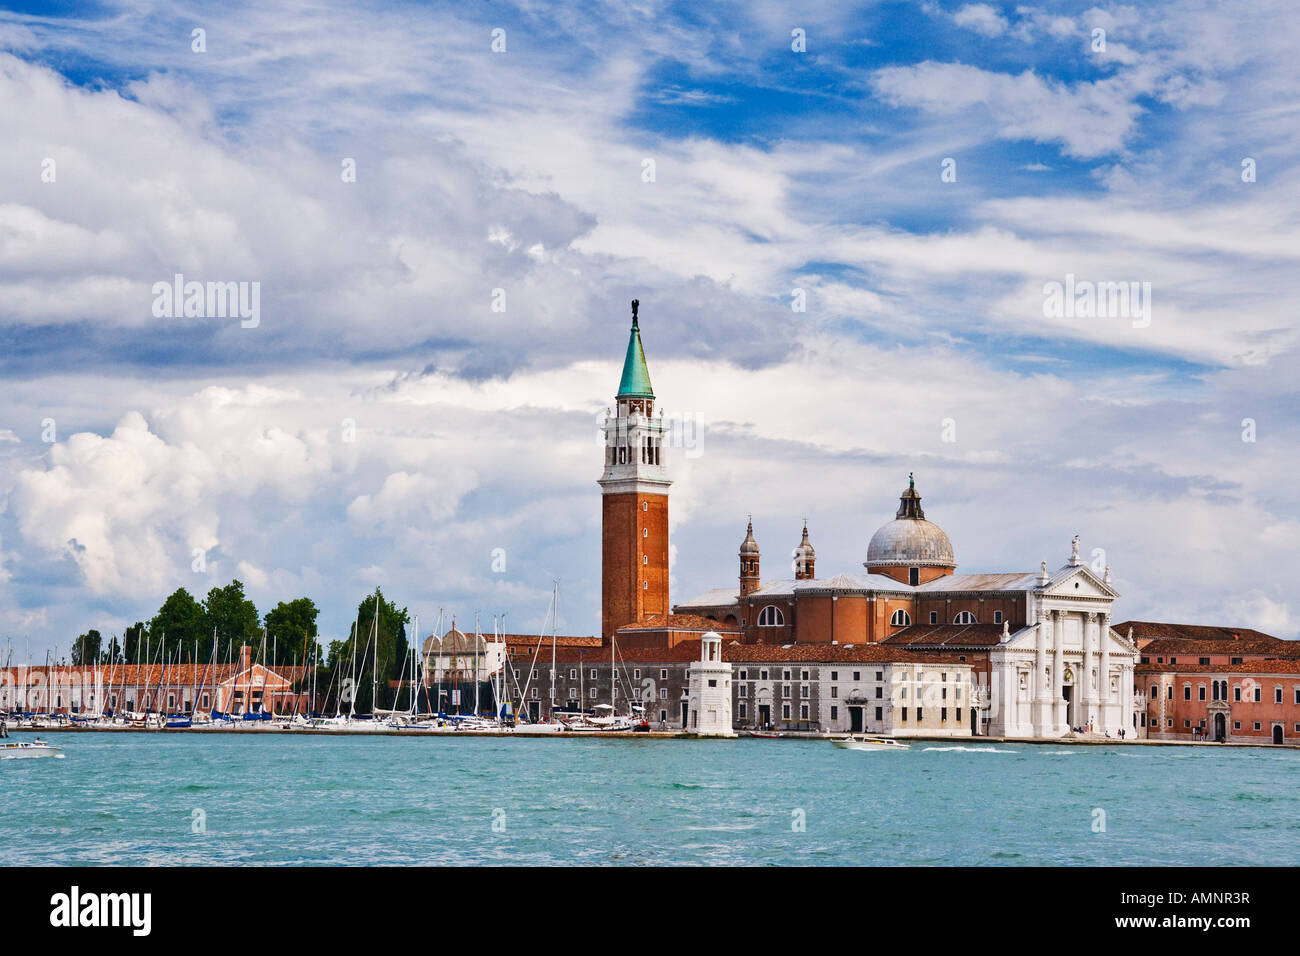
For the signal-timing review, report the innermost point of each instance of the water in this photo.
(131, 799)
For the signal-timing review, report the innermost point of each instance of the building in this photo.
(634, 499)
(709, 691)
(1045, 657)
(93, 689)
(1222, 684)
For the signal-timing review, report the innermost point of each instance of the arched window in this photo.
(771, 616)
(901, 619)
(964, 617)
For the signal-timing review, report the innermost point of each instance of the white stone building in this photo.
(710, 690)
(1068, 669)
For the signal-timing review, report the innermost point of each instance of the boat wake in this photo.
(971, 750)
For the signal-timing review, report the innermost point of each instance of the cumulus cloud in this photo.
(473, 429)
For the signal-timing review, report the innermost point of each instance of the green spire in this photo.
(636, 377)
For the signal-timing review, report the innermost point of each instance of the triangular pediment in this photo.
(1079, 581)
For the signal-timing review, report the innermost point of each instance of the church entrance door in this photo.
(764, 715)
(855, 720)
(1068, 693)
(1277, 733)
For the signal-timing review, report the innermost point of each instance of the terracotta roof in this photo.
(735, 652)
(948, 635)
(1290, 665)
(1269, 646)
(681, 622)
(1154, 630)
(561, 640)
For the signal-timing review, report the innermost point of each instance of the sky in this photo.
(842, 221)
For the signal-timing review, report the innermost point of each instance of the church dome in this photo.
(910, 540)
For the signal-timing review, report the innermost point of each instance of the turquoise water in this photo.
(131, 799)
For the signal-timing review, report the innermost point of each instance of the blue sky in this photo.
(775, 170)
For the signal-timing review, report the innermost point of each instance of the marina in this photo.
(257, 799)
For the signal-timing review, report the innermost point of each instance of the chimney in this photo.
(245, 657)
(1236, 636)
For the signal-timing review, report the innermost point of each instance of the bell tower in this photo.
(634, 499)
(749, 561)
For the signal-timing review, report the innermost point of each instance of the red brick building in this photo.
(1224, 684)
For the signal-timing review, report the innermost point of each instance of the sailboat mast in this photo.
(374, 670)
(555, 608)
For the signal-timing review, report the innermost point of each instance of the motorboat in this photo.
(868, 743)
(26, 749)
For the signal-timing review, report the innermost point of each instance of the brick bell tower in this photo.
(634, 500)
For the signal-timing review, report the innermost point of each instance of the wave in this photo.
(972, 750)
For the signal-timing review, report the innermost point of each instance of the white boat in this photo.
(34, 748)
(868, 743)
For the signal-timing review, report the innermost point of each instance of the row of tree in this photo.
(187, 628)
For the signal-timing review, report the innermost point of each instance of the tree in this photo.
(132, 641)
(88, 648)
(293, 626)
(233, 616)
(392, 650)
(179, 622)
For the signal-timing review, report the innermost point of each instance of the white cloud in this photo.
(982, 18)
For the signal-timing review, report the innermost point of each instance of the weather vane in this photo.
(635, 304)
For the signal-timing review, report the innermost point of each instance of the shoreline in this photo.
(625, 735)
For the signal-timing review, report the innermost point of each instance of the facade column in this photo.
(1040, 657)
(1103, 635)
(1089, 658)
(1058, 668)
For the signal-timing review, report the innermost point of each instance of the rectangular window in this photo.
(785, 690)
(1277, 695)
(880, 692)
(741, 689)
(943, 715)
(593, 673)
(835, 675)
(934, 617)
(1258, 697)
(904, 715)
(1204, 660)
(744, 675)
(636, 674)
(663, 693)
(803, 711)
(1257, 725)
(663, 674)
(835, 713)
(879, 713)
(835, 692)
(591, 693)
(1187, 692)
(997, 617)
(959, 715)
(785, 711)
(762, 675)
(713, 682)
(803, 690)
(1236, 694)
(918, 715)
(785, 675)
(742, 710)
(1200, 692)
